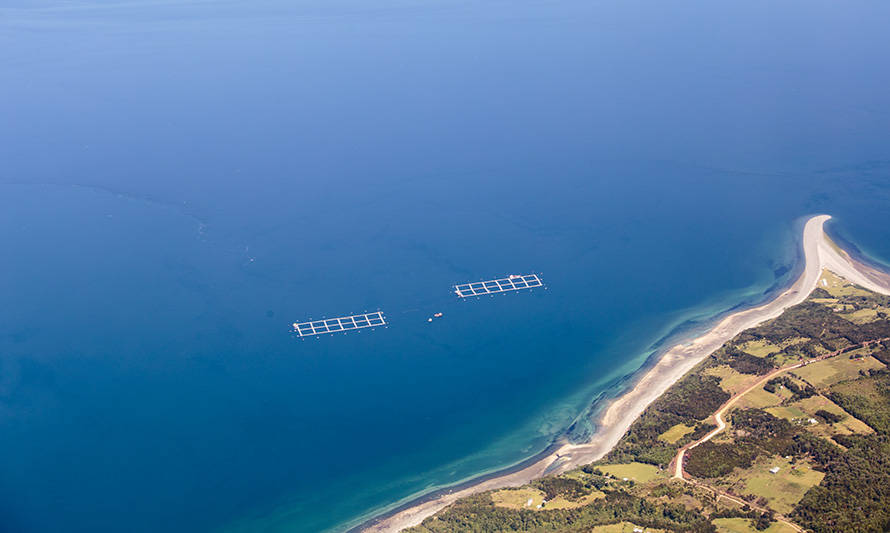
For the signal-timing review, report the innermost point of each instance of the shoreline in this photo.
(685, 332)
(616, 414)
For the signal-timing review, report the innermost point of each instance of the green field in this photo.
(675, 433)
(760, 398)
(529, 498)
(868, 399)
(732, 381)
(836, 369)
(760, 348)
(764, 348)
(788, 412)
(781, 490)
(847, 425)
(623, 527)
(837, 286)
(744, 525)
(518, 498)
(863, 316)
(561, 503)
(638, 472)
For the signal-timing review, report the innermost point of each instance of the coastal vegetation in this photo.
(806, 447)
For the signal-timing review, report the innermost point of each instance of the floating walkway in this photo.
(511, 283)
(343, 323)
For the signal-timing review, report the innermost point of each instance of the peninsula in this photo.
(674, 415)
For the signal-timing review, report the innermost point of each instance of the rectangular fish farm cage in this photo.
(511, 283)
(343, 323)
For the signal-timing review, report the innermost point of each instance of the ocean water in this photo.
(182, 180)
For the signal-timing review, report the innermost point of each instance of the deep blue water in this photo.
(181, 181)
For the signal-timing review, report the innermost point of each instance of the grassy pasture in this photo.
(867, 399)
(517, 498)
(802, 411)
(760, 398)
(783, 359)
(675, 433)
(836, 369)
(623, 527)
(639, 472)
(732, 381)
(520, 498)
(839, 287)
(764, 348)
(781, 490)
(562, 503)
(862, 316)
(849, 424)
(760, 348)
(744, 525)
(788, 412)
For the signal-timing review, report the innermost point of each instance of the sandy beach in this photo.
(819, 253)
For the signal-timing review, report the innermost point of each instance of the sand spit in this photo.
(819, 253)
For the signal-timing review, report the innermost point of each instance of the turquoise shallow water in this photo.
(181, 181)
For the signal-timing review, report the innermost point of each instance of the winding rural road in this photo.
(718, 414)
(679, 472)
